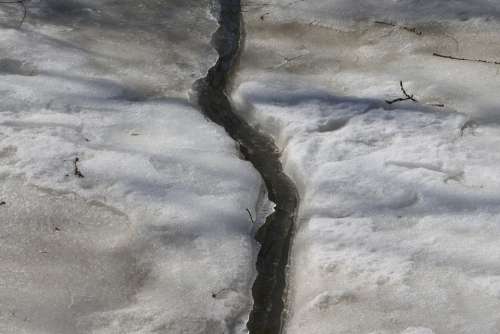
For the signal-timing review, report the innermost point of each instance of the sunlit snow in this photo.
(148, 231)
(398, 229)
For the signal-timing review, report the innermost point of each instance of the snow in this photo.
(155, 237)
(399, 213)
(398, 227)
(338, 45)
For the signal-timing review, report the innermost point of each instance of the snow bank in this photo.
(399, 213)
(154, 237)
(158, 223)
(399, 219)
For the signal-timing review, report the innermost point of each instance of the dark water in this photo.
(275, 235)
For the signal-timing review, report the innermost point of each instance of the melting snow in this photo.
(399, 228)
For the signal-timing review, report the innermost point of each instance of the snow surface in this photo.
(399, 218)
(398, 228)
(338, 45)
(155, 238)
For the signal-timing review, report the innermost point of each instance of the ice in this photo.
(148, 231)
(398, 225)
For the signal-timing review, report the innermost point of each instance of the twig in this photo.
(409, 29)
(76, 170)
(251, 217)
(386, 23)
(3, 203)
(466, 59)
(407, 96)
(23, 5)
(216, 294)
(413, 30)
(263, 16)
(287, 60)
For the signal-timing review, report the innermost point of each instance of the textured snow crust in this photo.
(399, 214)
(398, 227)
(155, 237)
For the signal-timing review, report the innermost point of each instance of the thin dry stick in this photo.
(263, 16)
(386, 23)
(406, 98)
(468, 124)
(409, 29)
(413, 30)
(216, 294)
(251, 217)
(466, 59)
(287, 60)
(76, 170)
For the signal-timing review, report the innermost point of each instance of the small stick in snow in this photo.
(413, 30)
(385, 23)
(288, 60)
(3, 203)
(216, 294)
(263, 16)
(435, 54)
(409, 29)
(406, 98)
(293, 3)
(76, 170)
(251, 217)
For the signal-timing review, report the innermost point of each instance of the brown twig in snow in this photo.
(251, 217)
(76, 170)
(218, 293)
(287, 60)
(406, 98)
(263, 16)
(409, 29)
(466, 59)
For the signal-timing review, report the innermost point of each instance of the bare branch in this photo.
(251, 217)
(409, 29)
(406, 98)
(467, 59)
(76, 170)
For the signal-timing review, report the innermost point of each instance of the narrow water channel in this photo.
(276, 234)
